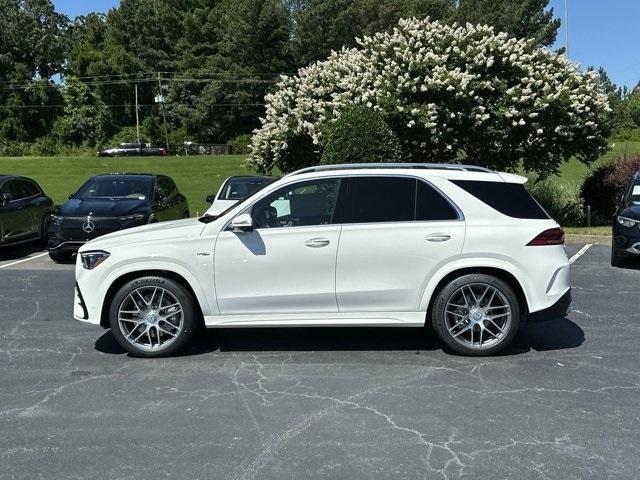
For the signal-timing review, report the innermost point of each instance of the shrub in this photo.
(12, 148)
(240, 145)
(559, 200)
(603, 188)
(446, 91)
(627, 135)
(46, 147)
(360, 135)
(126, 135)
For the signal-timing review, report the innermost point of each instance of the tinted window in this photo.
(431, 205)
(237, 189)
(117, 186)
(29, 188)
(302, 204)
(510, 199)
(380, 199)
(15, 189)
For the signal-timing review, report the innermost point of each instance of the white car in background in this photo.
(462, 248)
(235, 189)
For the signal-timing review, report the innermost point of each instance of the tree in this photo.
(321, 26)
(530, 19)
(86, 119)
(33, 46)
(449, 93)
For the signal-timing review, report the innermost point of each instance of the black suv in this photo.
(24, 209)
(625, 245)
(106, 203)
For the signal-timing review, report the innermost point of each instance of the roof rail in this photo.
(360, 166)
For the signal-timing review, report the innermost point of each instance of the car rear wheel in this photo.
(152, 316)
(476, 314)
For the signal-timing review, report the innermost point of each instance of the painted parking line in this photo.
(33, 257)
(580, 252)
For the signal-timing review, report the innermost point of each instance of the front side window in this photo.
(30, 189)
(395, 199)
(14, 189)
(300, 205)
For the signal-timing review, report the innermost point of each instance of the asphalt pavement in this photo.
(562, 402)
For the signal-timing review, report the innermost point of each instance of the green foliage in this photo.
(559, 199)
(240, 145)
(13, 148)
(86, 119)
(360, 135)
(126, 135)
(627, 135)
(604, 187)
(521, 19)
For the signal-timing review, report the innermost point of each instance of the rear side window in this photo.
(394, 199)
(510, 199)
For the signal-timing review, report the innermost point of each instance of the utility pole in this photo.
(137, 115)
(566, 29)
(164, 115)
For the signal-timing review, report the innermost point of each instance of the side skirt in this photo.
(351, 319)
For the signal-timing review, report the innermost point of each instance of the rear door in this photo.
(398, 231)
(35, 205)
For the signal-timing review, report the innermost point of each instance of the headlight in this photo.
(133, 218)
(91, 260)
(56, 219)
(627, 222)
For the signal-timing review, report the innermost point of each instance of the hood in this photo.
(103, 207)
(630, 211)
(162, 231)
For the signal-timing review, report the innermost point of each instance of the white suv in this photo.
(462, 248)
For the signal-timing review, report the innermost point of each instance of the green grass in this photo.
(196, 176)
(605, 231)
(574, 172)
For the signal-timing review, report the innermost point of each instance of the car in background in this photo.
(463, 249)
(24, 210)
(625, 245)
(235, 189)
(133, 149)
(107, 203)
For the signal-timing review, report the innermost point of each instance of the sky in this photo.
(601, 32)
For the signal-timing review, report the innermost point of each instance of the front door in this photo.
(287, 263)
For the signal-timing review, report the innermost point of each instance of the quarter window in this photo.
(300, 205)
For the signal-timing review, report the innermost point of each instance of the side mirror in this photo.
(72, 196)
(5, 198)
(210, 198)
(242, 223)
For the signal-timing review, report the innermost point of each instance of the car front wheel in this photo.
(476, 314)
(152, 316)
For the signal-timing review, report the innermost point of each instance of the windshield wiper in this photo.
(208, 218)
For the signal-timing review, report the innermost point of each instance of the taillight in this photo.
(553, 236)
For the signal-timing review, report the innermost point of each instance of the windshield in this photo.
(240, 188)
(634, 192)
(134, 187)
(245, 200)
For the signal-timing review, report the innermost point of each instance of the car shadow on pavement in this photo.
(19, 252)
(556, 334)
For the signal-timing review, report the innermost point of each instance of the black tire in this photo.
(190, 321)
(60, 257)
(617, 260)
(439, 319)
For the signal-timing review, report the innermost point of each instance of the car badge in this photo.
(88, 226)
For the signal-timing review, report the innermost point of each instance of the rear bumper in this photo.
(559, 309)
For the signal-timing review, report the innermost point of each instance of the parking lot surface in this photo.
(562, 402)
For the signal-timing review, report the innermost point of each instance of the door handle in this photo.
(317, 242)
(438, 237)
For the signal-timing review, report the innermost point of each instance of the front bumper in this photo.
(69, 236)
(559, 309)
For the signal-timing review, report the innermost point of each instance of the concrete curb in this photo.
(593, 239)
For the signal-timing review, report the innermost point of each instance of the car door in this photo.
(286, 264)
(15, 220)
(35, 205)
(397, 232)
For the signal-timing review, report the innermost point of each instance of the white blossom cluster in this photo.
(445, 90)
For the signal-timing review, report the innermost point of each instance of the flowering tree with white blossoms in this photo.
(449, 93)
